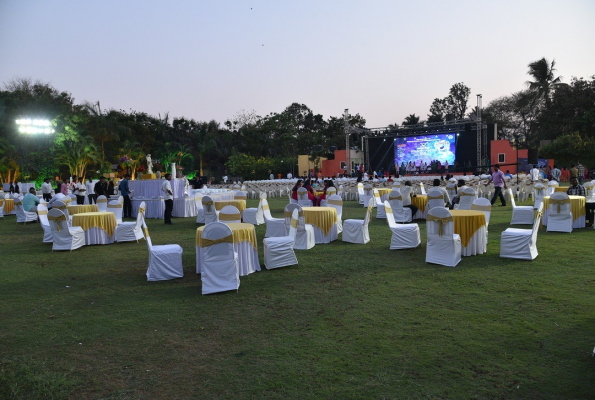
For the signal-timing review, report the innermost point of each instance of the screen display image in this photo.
(440, 147)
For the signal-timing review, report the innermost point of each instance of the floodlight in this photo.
(35, 126)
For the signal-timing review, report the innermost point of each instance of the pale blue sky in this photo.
(210, 60)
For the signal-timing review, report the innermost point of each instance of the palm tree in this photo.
(543, 74)
(77, 154)
(9, 166)
(411, 119)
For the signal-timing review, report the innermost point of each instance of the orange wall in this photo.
(510, 155)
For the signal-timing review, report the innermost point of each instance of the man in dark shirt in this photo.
(101, 187)
(578, 190)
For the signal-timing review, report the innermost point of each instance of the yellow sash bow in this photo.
(560, 202)
(265, 206)
(441, 197)
(101, 201)
(208, 205)
(395, 198)
(40, 212)
(230, 217)
(335, 202)
(288, 214)
(114, 205)
(441, 221)
(146, 231)
(294, 223)
(239, 197)
(57, 219)
(66, 200)
(61, 207)
(467, 194)
(481, 208)
(208, 242)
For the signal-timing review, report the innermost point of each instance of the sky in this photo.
(214, 59)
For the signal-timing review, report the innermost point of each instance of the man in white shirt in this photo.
(46, 190)
(91, 191)
(534, 173)
(79, 190)
(289, 175)
(168, 195)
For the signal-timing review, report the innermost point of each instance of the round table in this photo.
(79, 209)
(244, 243)
(324, 222)
(471, 227)
(99, 227)
(8, 206)
(577, 207)
(421, 202)
(239, 204)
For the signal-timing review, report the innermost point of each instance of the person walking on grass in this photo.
(499, 183)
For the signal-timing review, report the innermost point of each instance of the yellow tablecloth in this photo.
(148, 176)
(239, 204)
(384, 191)
(79, 209)
(102, 220)
(467, 222)
(577, 206)
(241, 233)
(321, 217)
(420, 201)
(318, 193)
(562, 189)
(8, 206)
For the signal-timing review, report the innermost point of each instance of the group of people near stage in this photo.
(422, 167)
(311, 188)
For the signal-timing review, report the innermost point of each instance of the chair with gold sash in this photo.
(482, 204)
(356, 230)
(560, 217)
(400, 214)
(380, 213)
(200, 212)
(64, 237)
(278, 251)
(551, 187)
(444, 246)
(466, 198)
(255, 216)
(211, 214)
(521, 243)
(435, 199)
(131, 231)
(540, 191)
(275, 226)
(22, 215)
(303, 199)
(230, 214)
(115, 207)
(240, 195)
(521, 215)
(42, 212)
(219, 271)
(304, 237)
(330, 191)
(336, 202)
(102, 203)
(165, 261)
(404, 236)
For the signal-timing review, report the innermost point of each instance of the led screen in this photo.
(439, 147)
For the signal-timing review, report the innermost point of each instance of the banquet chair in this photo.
(229, 215)
(42, 211)
(451, 189)
(336, 202)
(115, 207)
(435, 199)
(404, 236)
(356, 230)
(165, 261)
(329, 192)
(303, 199)
(539, 192)
(22, 215)
(278, 251)
(560, 217)
(255, 216)
(211, 214)
(400, 214)
(466, 198)
(422, 188)
(240, 195)
(64, 237)
(551, 187)
(483, 205)
(360, 193)
(304, 237)
(380, 213)
(219, 271)
(131, 231)
(521, 215)
(444, 246)
(275, 226)
(102, 203)
(369, 194)
(200, 212)
(521, 243)
(72, 198)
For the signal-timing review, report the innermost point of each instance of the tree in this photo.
(77, 154)
(544, 82)
(411, 119)
(438, 110)
(457, 100)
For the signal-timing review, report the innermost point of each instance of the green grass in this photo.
(350, 321)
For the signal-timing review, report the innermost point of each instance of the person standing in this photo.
(64, 187)
(534, 173)
(168, 195)
(91, 192)
(499, 183)
(573, 171)
(580, 169)
(100, 188)
(125, 192)
(46, 189)
(556, 173)
(79, 189)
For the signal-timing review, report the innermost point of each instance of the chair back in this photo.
(450, 189)
(440, 223)
(390, 218)
(377, 197)
(395, 199)
(230, 214)
(219, 268)
(263, 195)
(101, 203)
(293, 224)
(435, 199)
(466, 198)
(559, 204)
(484, 205)
(120, 200)
(265, 209)
(360, 189)
(42, 212)
(58, 222)
(536, 224)
(142, 208)
(368, 190)
(331, 191)
(422, 188)
(239, 195)
(302, 193)
(336, 202)
(115, 207)
(369, 212)
(198, 201)
(289, 213)
(208, 205)
(73, 197)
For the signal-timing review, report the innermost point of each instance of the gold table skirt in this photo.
(8, 206)
(577, 206)
(79, 209)
(239, 204)
(384, 191)
(321, 217)
(241, 232)
(102, 220)
(420, 201)
(466, 223)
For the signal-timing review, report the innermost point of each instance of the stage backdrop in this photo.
(426, 148)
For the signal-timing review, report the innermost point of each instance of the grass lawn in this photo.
(350, 321)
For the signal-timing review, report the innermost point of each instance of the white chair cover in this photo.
(400, 214)
(303, 199)
(131, 231)
(63, 236)
(466, 198)
(356, 230)
(521, 215)
(444, 246)
(404, 236)
(42, 211)
(200, 212)
(211, 214)
(304, 238)
(230, 214)
(540, 192)
(560, 217)
(483, 205)
(22, 215)
(435, 199)
(336, 202)
(115, 207)
(102, 203)
(521, 243)
(255, 216)
(165, 261)
(275, 226)
(2, 205)
(278, 251)
(219, 263)
(380, 213)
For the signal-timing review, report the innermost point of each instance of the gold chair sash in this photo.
(57, 219)
(294, 223)
(230, 217)
(467, 194)
(395, 198)
(441, 221)
(101, 201)
(114, 205)
(559, 202)
(208, 242)
(1, 202)
(376, 194)
(66, 200)
(208, 205)
(265, 206)
(441, 197)
(146, 231)
(288, 214)
(476, 207)
(239, 197)
(335, 202)
(40, 212)
(61, 207)
(17, 202)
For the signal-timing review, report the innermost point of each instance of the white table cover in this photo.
(151, 188)
(155, 207)
(98, 236)
(247, 258)
(185, 207)
(477, 243)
